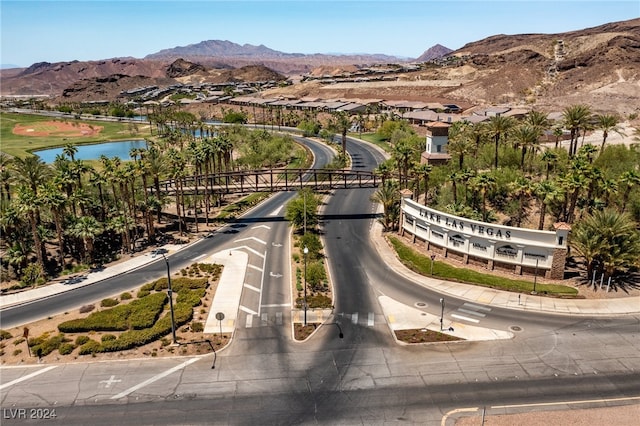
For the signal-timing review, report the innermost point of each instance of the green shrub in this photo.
(81, 340)
(89, 347)
(147, 310)
(143, 293)
(17, 352)
(43, 347)
(18, 341)
(4, 335)
(66, 348)
(107, 337)
(192, 297)
(197, 327)
(126, 296)
(108, 303)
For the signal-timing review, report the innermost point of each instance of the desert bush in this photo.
(17, 352)
(126, 296)
(66, 348)
(86, 308)
(81, 340)
(107, 337)
(43, 347)
(89, 347)
(191, 297)
(18, 341)
(108, 303)
(146, 315)
(4, 335)
(197, 327)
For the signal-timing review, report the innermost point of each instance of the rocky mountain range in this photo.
(599, 66)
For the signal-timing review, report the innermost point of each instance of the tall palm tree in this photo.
(526, 136)
(522, 189)
(460, 142)
(389, 196)
(608, 123)
(55, 200)
(575, 117)
(27, 202)
(31, 171)
(549, 158)
(546, 192)
(629, 180)
(498, 127)
(484, 183)
(5, 177)
(341, 122)
(86, 228)
(423, 171)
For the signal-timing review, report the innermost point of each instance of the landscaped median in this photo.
(127, 325)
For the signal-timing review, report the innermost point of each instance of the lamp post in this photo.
(305, 251)
(441, 313)
(170, 293)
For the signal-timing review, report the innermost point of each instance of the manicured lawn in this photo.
(421, 264)
(375, 139)
(22, 145)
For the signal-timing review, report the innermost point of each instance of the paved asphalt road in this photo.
(364, 378)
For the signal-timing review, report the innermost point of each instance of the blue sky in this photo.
(53, 31)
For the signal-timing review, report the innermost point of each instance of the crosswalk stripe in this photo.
(465, 318)
(250, 287)
(247, 310)
(371, 319)
(354, 318)
(474, 306)
(249, 321)
(254, 267)
(466, 311)
(278, 318)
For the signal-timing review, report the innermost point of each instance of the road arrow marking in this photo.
(276, 245)
(109, 382)
(271, 274)
(261, 226)
(251, 238)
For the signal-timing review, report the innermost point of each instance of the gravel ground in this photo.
(626, 415)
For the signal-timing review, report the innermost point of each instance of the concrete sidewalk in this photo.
(86, 278)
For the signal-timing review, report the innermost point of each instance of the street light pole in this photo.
(170, 293)
(305, 251)
(441, 313)
(535, 277)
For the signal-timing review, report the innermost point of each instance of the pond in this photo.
(93, 152)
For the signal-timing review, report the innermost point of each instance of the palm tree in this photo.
(575, 117)
(341, 123)
(384, 170)
(28, 203)
(619, 241)
(526, 137)
(86, 228)
(608, 123)
(549, 157)
(459, 142)
(484, 183)
(522, 188)
(55, 200)
(497, 127)
(546, 192)
(402, 153)
(389, 196)
(423, 171)
(31, 171)
(628, 180)
(5, 177)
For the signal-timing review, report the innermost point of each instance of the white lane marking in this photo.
(250, 287)
(254, 267)
(247, 310)
(278, 318)
(277, 305)
(256, 252)
(249, 321)
(261, 226)
(251, 239)
(27, 377)
(584, 401)
(371, 318)
(154, 378)
(198, 257)
(443, 422)
(474, 306)
(465, 318)
(466, 311)
(276, 211)
(264, 265)
(354, 318)
(265, 317)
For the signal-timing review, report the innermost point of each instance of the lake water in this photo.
(93, 152)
